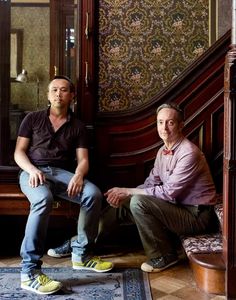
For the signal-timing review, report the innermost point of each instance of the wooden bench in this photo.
(205, 254)
(14, 202)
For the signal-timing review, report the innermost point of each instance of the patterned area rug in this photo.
(122, 284)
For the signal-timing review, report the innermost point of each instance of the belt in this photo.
(46, 165)
(196, 209)
(205, 207)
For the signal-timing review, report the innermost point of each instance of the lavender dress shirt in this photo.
(182, 177)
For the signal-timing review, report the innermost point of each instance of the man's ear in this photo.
(72, 97)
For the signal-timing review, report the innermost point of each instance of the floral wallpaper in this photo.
(144, 45)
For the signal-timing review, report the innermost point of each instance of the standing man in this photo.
(177, 198)
(52, 152)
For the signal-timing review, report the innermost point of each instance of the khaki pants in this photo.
(114, 219)
(160, 222)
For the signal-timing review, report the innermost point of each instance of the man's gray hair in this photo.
(173, 106)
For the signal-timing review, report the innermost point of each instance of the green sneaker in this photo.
(42, 285)
(94, 264)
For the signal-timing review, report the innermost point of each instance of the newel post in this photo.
(229, 164)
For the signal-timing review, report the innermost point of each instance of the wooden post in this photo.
(229, 175)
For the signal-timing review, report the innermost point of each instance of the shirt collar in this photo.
(176, 145)
(69, 113)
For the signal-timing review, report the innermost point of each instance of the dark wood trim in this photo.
(8, 174)
(35, 4)
(86, 76)
(55, 40)
(59, 11)
(4, 80)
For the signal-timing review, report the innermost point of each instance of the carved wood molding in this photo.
(229, 192)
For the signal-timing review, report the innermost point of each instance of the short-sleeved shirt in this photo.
(49, 147)
(182, 177)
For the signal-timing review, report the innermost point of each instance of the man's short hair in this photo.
(173, 106)
(72, 86)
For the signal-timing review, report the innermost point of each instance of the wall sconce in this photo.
(23, 78)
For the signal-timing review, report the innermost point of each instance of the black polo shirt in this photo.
(48, 147)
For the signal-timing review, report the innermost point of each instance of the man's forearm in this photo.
(82, 168)
(135, 191)
(23, 162)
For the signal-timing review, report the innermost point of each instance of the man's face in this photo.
(168, 126)
(59, 94)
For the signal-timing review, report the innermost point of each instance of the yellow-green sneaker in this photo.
(94, 264)
(42, 285)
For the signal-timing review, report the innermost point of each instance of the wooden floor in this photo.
(124, 250)
(172, 284)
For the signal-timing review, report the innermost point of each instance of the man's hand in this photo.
(36, 177)
(116, 196)
(75, 185)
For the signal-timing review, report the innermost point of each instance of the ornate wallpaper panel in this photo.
(144, 45)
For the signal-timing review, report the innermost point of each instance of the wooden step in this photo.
(209, 272)
(14, 202)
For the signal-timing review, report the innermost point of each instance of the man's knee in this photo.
(136, 203)
(92, 191)
(42, 204)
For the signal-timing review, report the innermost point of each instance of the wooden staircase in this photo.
(126, 142)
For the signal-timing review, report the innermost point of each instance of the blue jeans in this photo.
(41, 203)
